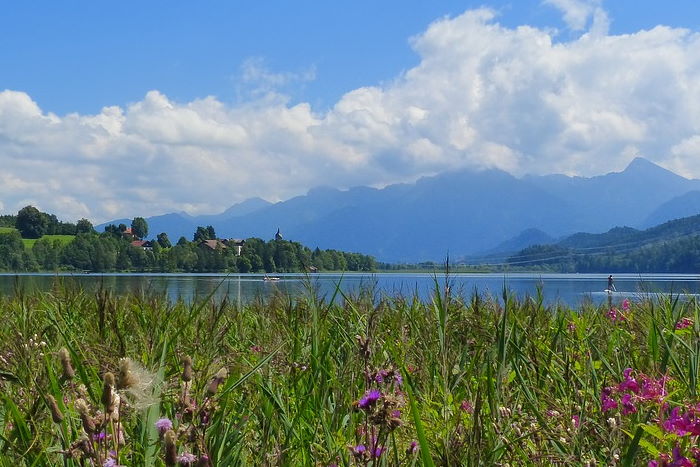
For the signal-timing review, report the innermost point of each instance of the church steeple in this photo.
(278, 235)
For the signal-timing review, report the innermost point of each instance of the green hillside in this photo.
(63, 239)
(673, 246)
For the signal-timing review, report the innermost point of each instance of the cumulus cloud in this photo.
(482, 96)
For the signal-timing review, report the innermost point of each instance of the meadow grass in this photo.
(92, 378)
(63, 239)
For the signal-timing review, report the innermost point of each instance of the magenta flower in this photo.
(628, 406)
(575, 420)
(163, 425)
(629, 383)
(626, 305)
(684, 323)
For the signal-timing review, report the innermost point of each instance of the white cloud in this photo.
(578, 12)
(482, 95)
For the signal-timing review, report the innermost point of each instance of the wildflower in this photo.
(256, 348)
(575, 421)
(626, 305)
(369, 399)
(359, 450)
(571, 326)
(187, 458)
(628, 406)
(684, 323)
(111, 462)
(607, 402)
(163, 425)
(680, 460)
(412, 448)
(629, 383)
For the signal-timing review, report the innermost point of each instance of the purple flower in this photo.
(187, 458)
(369, 399)
(626, 304)
(163, 425)
(680, 460)
(466, 406)
(101, 436)
(381, 374)
(413, 448)
(110, 463)
(398, 379)
(358, 450)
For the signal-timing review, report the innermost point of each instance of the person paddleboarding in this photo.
(611, 284)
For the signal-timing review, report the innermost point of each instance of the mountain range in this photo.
(459, 213)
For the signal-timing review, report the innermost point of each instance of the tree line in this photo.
(115, 250)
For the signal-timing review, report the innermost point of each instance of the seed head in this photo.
(187, 368)
(170, 448)
(216, 381)
(66, 364)
(126, 376)
(88, 422)
(107, 392)
(56, 414)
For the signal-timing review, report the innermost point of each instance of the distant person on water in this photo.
(611, 285)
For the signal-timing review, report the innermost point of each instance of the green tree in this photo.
(31, 222)
(163, 240)
(139, 227)
(84, 226)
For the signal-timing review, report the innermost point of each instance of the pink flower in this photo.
(626, 305)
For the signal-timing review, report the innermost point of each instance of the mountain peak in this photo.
(642, 165)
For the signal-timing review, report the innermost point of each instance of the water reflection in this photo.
(569, 289)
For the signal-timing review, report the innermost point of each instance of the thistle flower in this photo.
(56, 414)
(66, 364)
(163, 425)
(369, 399)
(187, 458)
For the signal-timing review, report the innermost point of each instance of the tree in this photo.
(31, 222)
(163, 240)
(139, 227)
(85, 226)
(202, 234)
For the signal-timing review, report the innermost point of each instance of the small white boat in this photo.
(270, 278)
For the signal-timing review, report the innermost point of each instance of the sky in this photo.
(124, 109)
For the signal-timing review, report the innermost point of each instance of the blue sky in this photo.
(83, 55)
(165, 106)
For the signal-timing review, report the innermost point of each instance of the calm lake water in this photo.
(568, 289)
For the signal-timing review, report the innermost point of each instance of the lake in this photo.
(568, 289)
